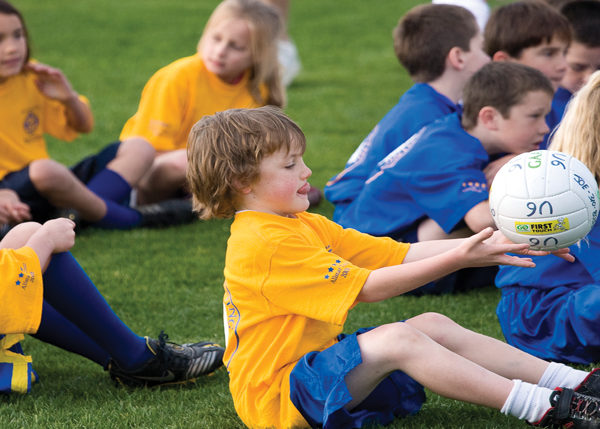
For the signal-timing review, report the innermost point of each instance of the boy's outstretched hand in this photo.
(490, 247)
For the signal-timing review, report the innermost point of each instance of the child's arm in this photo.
(54, 236)
(430, 260)
(479, 217)
(54, 84)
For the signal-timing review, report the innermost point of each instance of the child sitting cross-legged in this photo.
(291, 278)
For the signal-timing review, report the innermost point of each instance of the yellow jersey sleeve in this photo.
(21, 291)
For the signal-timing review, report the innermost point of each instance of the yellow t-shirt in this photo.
(25, 116)
(179, 95)
(21, 298)
(289, 284)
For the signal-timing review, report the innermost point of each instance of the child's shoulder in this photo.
(181, 66)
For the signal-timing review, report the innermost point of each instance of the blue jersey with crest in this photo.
(419, 106)
(437, 174)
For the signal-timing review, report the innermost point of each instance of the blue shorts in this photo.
(558, 323)
(318, 389)
(84, 170)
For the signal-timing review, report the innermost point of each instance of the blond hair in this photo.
(265, 25)
(579, 131)
(225, 150)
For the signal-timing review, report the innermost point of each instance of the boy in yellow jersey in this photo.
(291, 278)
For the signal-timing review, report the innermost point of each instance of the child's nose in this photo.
(307, 172)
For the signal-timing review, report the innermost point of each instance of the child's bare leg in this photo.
(17, 237)
(400, 346)
(133, 159)
(495, 355)
(164, 178)
(61, 188)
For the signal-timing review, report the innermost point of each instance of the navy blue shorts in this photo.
(318, 389)
(84, 170)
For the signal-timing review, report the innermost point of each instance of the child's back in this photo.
(440, 46)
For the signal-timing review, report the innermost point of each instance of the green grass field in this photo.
(171, 279)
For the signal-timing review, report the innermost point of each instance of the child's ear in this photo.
(455, 58)
(241, 188)
(488, 117)
(501, 56)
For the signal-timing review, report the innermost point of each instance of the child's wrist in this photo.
(71, 99)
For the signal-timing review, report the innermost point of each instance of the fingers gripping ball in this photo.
(545, 198)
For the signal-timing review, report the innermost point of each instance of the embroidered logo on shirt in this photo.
(25, 277)
(31, 122)
(474, 187)
(337, 269)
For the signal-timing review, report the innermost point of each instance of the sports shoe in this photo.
(590, 386)
(571, 409)
(172, 363)
(167, 213)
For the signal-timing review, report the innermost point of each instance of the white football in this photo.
(545, 198)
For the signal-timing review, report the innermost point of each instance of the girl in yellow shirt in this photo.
(235, 67)
(36, 99)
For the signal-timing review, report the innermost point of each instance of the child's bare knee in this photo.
(19, 234)
(433, 319)
(398, 339)
(45, 173)
(137, 149)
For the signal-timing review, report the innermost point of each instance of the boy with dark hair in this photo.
(434, 186)
(535, 34)
(441, 47)
(291, 277)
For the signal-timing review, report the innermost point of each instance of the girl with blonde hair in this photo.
(235, 66)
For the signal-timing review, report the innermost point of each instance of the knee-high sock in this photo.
(110, 185)
(71, 292)
(60, 332)
(118, 217)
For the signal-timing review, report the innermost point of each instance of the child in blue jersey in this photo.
(292, 277)
(535, 34)
(552, 310)
(434, 185)
(441, 47)
(44, 292)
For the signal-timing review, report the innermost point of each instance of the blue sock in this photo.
(110, 185)
(60, 332)
(71, 292)
(118, 217)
